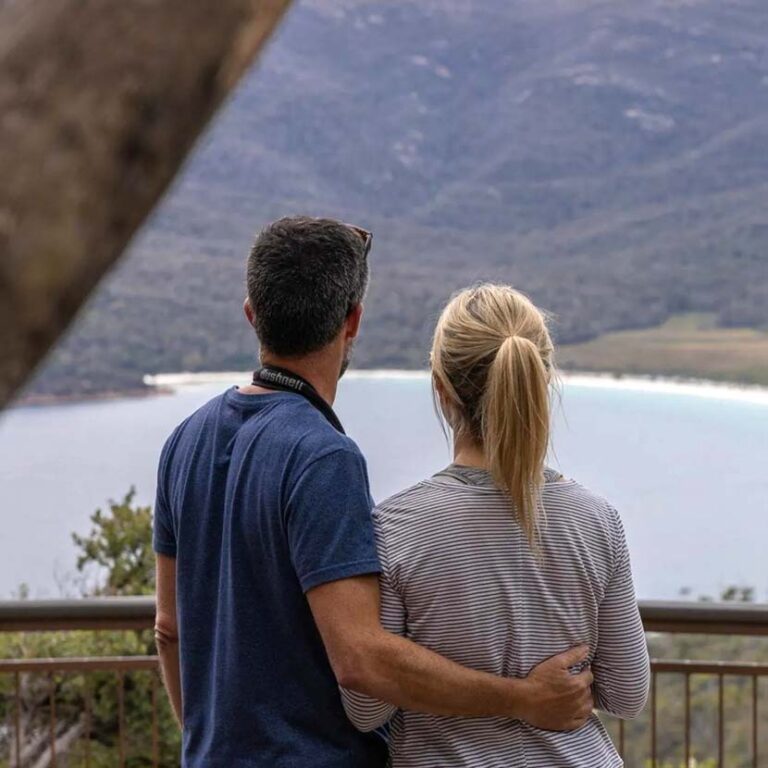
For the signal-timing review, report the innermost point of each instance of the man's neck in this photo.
(320, 369)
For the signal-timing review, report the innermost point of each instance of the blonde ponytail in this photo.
(492, 359)
(515, 425)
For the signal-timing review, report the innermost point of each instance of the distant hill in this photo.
(607, 157)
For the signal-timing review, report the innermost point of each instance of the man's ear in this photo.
(352, 324)
(248, 309)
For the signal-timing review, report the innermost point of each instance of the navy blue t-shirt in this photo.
(259, 500)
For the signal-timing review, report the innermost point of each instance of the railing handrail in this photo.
(77, 613)
(139, 613)
(68, 664)
(79, 664)
(704, 617)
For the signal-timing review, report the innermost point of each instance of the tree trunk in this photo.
(99, 104)
(64, 742)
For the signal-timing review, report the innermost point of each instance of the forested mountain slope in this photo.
(607, 157)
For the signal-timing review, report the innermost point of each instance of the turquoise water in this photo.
(688, 474)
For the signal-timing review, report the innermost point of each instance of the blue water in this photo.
(688, 474)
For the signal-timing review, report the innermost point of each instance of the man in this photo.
(267, 594)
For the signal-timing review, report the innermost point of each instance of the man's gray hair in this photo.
(304, 277)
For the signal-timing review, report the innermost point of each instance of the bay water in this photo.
(687, 467)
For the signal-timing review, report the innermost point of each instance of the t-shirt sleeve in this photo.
(163, 530)
(328, 521)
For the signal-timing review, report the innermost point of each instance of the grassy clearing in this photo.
(687, 345)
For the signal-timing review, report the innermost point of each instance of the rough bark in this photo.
(99, 104)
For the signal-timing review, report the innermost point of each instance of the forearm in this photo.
(409, 676)
(386, 666)
(171, 672)
(167, 631)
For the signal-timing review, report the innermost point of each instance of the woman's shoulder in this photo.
(560, 486)
(570, 502)
(437, 490)
(558, 490)
(410, 497)
(566, 502)
(415, 505)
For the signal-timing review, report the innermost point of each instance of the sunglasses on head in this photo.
(365, 236)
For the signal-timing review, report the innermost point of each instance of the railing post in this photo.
(121, 717)
(88, 722)
(687, 720)
(720, 707)
(52, 701)
(755, 681)
(17, 718)
(653, 720)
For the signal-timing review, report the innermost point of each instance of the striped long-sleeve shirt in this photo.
(460, 578)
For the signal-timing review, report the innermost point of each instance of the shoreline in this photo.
(168, 383)
(133, 393)
(691, 387)
(671, 385)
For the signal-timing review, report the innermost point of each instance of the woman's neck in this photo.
(468, 453)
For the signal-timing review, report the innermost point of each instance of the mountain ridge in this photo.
(606, 157)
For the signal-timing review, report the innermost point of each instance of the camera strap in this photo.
(282, 380)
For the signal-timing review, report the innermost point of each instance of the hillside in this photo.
(607, 157)
(686, 345)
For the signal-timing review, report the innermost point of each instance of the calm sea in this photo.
(688, 473)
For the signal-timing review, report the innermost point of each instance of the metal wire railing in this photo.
(719, 672)
(714, 619)
(52, 669)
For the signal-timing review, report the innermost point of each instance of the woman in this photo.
(499, 562)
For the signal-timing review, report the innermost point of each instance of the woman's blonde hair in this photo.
(492, 359)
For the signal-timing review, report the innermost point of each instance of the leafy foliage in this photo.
(118, 548)
(120, 544)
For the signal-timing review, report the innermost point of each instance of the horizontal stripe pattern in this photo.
(460, 578)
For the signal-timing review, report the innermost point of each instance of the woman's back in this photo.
(496, 569)
(461, 578)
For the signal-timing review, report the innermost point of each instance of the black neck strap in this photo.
(282, 380)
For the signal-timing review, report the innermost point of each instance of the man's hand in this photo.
(557, 699)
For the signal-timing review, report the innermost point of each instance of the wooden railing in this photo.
(138, 613)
